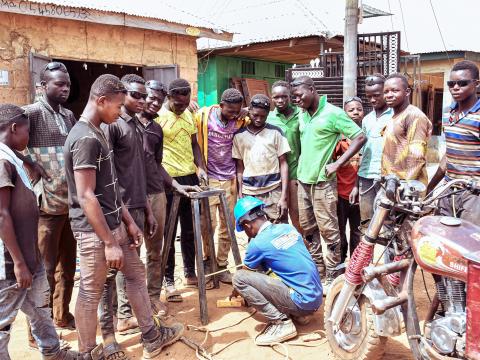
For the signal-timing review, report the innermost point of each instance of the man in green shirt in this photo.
(321, 126)
(285, 116)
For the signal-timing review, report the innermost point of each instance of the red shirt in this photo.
(347, 174)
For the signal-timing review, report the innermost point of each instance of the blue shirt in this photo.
(370, 166)
(280, 248)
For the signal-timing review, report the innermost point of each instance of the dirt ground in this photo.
(187, 313)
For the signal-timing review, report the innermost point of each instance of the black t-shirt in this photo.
(153, 149)
(126, 142)
(24, 213)
(87, 148)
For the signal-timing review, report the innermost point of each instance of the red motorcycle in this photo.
(365, 305)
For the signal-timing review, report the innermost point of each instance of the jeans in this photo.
(268, 295)
(367, 198)
(34, 303)
(186, 235)
(317, 205)
(224, 241)
(153, 244)
(93, 274)
(59, 250)
(115, 284)
(351, 214)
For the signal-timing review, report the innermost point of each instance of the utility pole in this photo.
(350, 49)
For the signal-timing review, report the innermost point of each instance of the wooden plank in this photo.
(105, 17)
(254, 86)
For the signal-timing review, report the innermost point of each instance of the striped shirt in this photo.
(462, 134)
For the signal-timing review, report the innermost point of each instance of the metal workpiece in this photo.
(372, 272)
(379, 306)
(390, 322)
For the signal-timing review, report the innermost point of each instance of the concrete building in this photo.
(92, 38)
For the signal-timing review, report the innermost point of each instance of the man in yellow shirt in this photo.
(183, 161)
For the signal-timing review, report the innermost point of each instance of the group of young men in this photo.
(104, 185)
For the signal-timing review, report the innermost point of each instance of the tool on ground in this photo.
(231, 303)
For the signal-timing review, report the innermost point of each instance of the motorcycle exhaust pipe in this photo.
(371, 272)
(380, 306)
(341, 303)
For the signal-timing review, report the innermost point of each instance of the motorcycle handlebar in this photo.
(391, 185)
(469, 185)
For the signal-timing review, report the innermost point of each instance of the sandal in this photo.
(113, 351)
(172, 295)
(209, 285)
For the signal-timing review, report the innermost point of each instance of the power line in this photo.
(440, 32)
(391, 14)
(404, 28)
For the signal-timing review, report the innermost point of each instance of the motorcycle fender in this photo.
(389, 323)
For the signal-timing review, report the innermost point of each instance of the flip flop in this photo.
(209, 285)
(172, 295)
(113, 351)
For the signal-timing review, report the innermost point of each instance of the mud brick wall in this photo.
(84, 41)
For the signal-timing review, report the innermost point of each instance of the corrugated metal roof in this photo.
(256, 21)
(165, 10)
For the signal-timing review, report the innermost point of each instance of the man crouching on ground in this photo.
(289, 287)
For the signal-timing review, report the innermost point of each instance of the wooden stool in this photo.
(198, 198)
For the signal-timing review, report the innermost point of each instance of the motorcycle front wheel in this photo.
(355, 338)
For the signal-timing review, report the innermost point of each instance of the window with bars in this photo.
(279, 70)
(248, 67)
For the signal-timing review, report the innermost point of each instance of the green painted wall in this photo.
(215, 72)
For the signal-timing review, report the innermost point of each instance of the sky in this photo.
(458, 22)
(458, 19)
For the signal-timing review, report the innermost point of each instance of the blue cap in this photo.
(243, 207)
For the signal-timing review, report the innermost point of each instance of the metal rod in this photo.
(224, 270)
(372, 272)
(209, 240)
(168, 239)
(197, 236)
(230, 229)
(380, 306)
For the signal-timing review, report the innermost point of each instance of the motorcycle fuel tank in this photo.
(444, 245)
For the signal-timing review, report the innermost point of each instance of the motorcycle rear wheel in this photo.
(357, 339)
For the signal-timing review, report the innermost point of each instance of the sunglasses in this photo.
(180, 91)
(54, 66)
(260, 103)
(137, 95)
(156, 85)
(460, 83)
